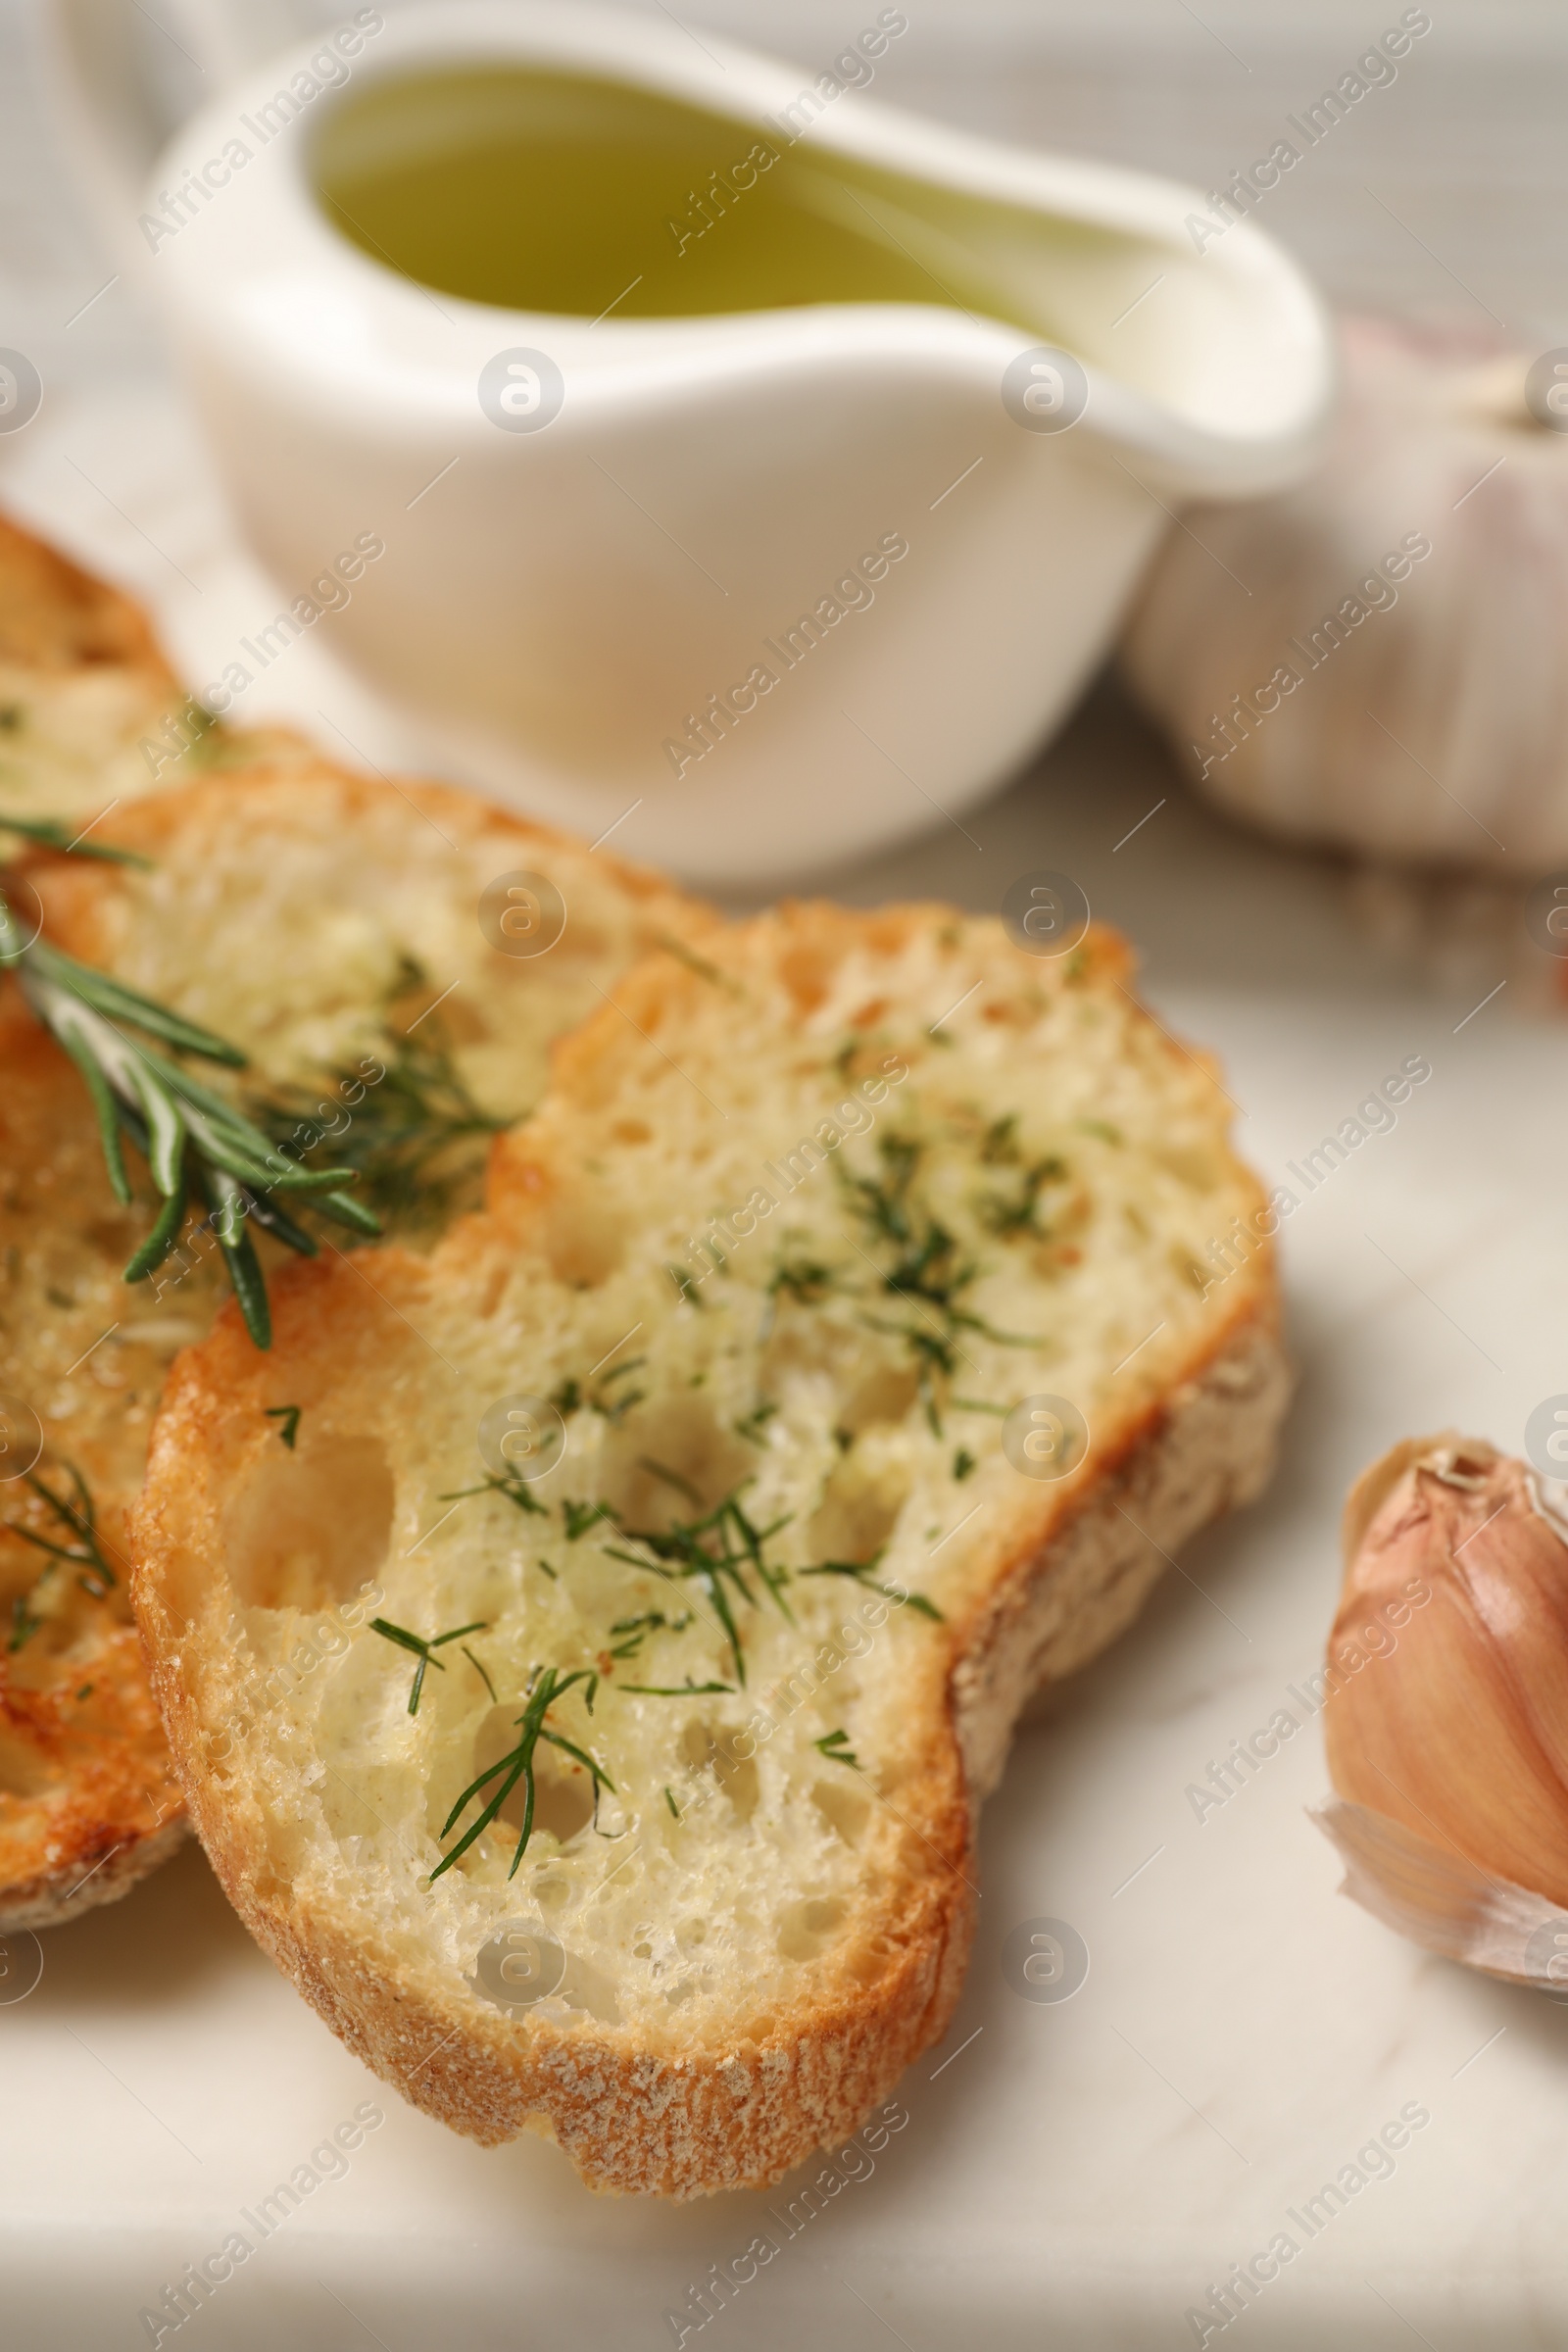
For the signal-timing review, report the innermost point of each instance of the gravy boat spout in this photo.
(760, 470)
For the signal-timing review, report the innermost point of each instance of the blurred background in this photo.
(1440, 201)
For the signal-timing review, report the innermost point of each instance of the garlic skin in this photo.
(1447, 1725)
(1434, 731)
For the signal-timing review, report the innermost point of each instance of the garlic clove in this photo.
(1439, 1900)
(1447, 1720)
(1373, 660)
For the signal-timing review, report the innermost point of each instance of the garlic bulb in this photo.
(1447, 1723)
(1378, 659)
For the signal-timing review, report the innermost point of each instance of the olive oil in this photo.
(559, 193)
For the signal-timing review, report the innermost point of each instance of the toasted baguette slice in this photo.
(787, 1241)
(91, 711)
(327, 924)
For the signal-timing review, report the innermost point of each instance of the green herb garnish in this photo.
(861, 1570)
(636, 1630)
(928, 1271)
(545, 1686)
(51, 835)
(685, 1690)
(578, 1517)
(716, 1548)
(1020, 1215)
(835, 1746)
(426, 1652)
(289, 1415)
(24, 1624)
(516, 1490)
(79, 1519)
(193, 1141)
(570, 1396)
(406, 1133)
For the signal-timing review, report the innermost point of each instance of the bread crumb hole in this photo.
(885, 1396)
(808, 1925)
(858, 1512)
(584, 1247)
(843, 1808)
(23, 1771)
(309, 1528)
(737, 1776)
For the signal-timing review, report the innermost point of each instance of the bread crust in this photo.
(56, 616)
(684, 2120)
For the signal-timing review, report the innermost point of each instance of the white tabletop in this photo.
(1080, 2174)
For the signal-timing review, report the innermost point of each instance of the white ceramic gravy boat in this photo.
(761, 589)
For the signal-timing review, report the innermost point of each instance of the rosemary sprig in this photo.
(192, 1139)
(545, 1686)
(426, 1652)
(79, 1519)
(51, 835)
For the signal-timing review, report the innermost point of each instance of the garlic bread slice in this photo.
(591, 1712)
(329, 925)
(91, 711)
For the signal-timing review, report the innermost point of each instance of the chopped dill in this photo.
(579, 1517)
(516, 1490)
(545, 1686)
(289, 1415)
(480, 1672)
(715, 1549)
(1000, 1147)
(805, 1280)
(426, 1652)
(549, 1571)
(24, 1622)
(636, 1630)
(963, 1462)
(686, 1288)
(686, 1690)
(1021, 1214)
(670, 1478)
(835, 1746)
(1103, 1128)
(861, 1570)
(570, 1396)
(674, 1809)
(928, 1270)
(414, 1137)
(751, 1425)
